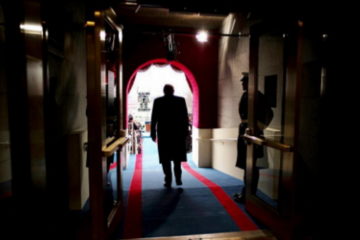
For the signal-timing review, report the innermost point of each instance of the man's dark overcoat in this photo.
(169, 123)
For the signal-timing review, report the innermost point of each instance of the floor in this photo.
(202, 205)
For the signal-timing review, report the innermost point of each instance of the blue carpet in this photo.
(189, 209)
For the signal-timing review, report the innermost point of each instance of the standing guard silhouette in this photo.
(264, 115)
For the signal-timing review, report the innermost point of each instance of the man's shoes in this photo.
(167, 185)
(238, 197)
(178, 182)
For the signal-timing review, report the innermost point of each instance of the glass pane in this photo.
(269, 176)
(111, 182)
(111, 132)
(113, 178)
(271, 85)
(269, 115)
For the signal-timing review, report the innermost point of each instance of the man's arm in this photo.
(154, 116)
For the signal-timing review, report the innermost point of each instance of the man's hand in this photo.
(153, 137)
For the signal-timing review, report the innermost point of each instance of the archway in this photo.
(178, 66)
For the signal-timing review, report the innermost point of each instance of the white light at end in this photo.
(202, 36)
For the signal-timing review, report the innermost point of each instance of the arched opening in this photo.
(141, 83)
(176, 66)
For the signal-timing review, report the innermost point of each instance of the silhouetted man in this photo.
(169, 126)
(264, 115)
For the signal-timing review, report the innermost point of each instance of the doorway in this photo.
(146, 84)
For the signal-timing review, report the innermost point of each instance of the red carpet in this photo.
(240, 218)
(132, 226)
(113, 165)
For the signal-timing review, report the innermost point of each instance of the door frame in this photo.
(282, 220)
(99, 146)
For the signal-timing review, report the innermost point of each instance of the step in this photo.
(245, 235)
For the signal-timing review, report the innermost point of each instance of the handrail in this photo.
(268, 143)
(223, 139)
(107, 141)
(253, 139)
(280, 146)
(109, 150)
(201, 138)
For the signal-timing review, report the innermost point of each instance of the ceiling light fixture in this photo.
(202, 36)
(36, 29)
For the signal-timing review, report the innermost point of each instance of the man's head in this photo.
(245, 80)
(168, 90)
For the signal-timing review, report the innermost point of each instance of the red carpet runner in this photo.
(132, 227)
(240, 218)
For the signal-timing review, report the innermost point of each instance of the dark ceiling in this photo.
(192, 15)
(173, 15)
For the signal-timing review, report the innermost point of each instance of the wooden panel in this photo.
(95, 135)
(25, 88)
